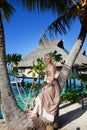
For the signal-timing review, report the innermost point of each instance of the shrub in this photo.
(71, 95)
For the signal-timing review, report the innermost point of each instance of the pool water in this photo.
(1, 116)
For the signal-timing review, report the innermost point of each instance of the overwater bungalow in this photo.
(51, 46)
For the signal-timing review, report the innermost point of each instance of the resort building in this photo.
(51, 46)
(39, 52)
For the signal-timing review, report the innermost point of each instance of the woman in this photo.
(46, 103)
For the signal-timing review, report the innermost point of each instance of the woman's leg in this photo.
(35, 111)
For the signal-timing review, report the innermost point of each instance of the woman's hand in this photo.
(45, 87)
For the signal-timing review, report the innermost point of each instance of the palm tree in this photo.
(13, 115)
(67, 11)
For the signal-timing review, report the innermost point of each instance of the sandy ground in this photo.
(72, 117)
(2, 125)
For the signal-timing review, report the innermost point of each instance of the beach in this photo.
(71, 117)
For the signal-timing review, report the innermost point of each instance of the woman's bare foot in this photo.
(32, 115)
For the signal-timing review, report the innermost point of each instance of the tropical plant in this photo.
(71, 95)
(37, 68)
(83, 78)
(57, 57)
(12, 61)
(37, 71)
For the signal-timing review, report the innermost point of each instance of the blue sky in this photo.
(24, 29)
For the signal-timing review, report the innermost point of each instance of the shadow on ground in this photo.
(71, 115)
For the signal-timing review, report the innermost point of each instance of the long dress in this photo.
(46, 103)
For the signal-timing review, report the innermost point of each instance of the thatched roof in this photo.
(51, 46)
(81, 59)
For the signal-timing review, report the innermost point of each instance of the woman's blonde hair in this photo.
(51, 60)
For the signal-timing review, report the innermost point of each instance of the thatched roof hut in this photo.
(47, 47)
(41, 50)
(51, 46)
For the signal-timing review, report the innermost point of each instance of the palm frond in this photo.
(61, 25)
(8, 10)
(55, 6)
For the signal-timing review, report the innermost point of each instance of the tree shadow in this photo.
(65, 105)
(71, 115)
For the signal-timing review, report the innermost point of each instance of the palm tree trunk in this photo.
(63, 76)
(14, 117)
